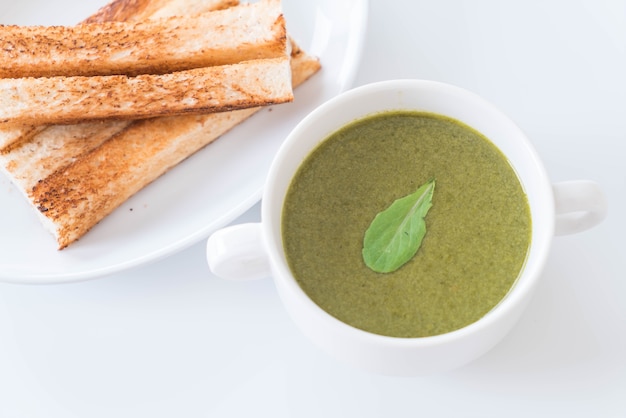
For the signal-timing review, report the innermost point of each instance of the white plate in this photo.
(205, 192)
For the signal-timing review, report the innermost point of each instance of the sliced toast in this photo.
(152, 46)
(200, 90)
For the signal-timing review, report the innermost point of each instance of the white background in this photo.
(169, 339)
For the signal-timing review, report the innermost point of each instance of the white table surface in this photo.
(171, 340)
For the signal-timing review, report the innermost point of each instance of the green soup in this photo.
(478, 229)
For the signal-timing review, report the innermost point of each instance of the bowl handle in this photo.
(579, 205)
(237, 253)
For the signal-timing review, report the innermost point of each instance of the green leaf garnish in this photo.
(395, 234)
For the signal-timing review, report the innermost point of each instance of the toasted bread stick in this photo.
(201, 90)
(153, 46)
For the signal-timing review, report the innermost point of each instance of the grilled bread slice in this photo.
(152, 46)
(200, 90)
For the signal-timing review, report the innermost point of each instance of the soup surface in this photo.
(477, 231)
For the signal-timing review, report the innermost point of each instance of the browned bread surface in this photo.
(151, 46)
(200, 90)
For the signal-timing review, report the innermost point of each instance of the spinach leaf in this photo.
(395, 234)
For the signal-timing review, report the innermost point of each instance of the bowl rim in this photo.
(272, 204)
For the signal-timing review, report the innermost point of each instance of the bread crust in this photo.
(151, 46)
